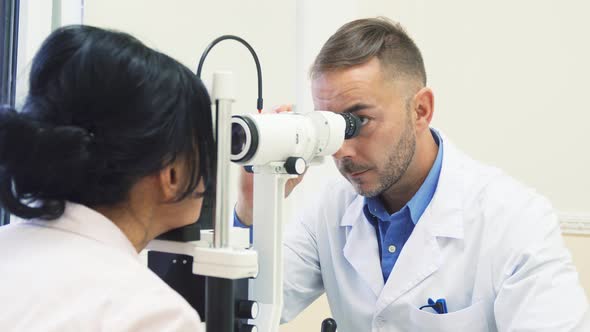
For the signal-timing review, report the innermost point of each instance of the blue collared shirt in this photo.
(393, 230)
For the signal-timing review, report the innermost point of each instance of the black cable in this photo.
(245, 43)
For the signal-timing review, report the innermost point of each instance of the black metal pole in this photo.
(8, 56)
(219, 304)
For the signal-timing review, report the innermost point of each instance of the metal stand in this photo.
(226, 265)
(267, 288)
(243, 287)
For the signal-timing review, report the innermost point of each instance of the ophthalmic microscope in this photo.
(234, 285)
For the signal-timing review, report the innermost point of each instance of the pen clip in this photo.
(440, 306)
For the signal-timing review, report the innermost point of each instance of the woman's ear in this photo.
(423, 108)
(169, 180)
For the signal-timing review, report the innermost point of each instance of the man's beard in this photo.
(398, 161)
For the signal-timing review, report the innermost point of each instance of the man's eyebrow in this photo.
(356, 108)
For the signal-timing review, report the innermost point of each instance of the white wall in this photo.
(509, 77)
(37, 18)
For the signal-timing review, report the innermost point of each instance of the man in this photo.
(420, 237)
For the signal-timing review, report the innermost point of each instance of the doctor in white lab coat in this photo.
(416, 219)
(486, 244)
(111, 149)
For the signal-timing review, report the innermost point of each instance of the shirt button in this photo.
(391, 248)
(380, 321)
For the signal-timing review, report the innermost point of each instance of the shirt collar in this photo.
(421, 199)
(89, 223)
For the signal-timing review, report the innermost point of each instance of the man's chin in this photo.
(365, 190)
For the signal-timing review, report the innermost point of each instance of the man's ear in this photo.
(423, 104)
(169, 182)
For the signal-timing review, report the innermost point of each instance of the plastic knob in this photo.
(248, 328)
(295, 165)
(329, 325)
(247, 309)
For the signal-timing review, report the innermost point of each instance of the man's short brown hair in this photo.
(361, 40)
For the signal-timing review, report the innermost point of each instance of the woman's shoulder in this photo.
(142, 301)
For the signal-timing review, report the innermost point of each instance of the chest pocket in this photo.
(472, 318)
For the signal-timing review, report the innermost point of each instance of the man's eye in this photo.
(364, 120)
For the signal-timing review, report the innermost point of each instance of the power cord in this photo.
(259, 101)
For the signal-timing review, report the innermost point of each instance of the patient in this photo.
(113, 147)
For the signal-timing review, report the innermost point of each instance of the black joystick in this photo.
(329, 325)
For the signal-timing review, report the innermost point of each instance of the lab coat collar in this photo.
(446, 200)
(88, 223)
(361, 249)
(446, 205)
(421, 255)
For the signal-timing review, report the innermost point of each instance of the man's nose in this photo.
(347, 150)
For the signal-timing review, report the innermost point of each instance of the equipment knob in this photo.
(295, 165)
(247, 309)
(248, 328)
(329, 325)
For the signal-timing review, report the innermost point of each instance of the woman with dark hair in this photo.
(113, 146)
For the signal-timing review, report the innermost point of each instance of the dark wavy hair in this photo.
(103, 111)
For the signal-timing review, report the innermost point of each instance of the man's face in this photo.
(379, 156)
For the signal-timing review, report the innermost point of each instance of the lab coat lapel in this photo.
(421, 255)
(361, 249)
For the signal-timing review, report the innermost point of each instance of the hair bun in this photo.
(22, 139)
(14, 131)
(40, 160)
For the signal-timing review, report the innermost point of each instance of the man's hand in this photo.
(244, 207)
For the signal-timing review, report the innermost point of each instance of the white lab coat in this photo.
(487, 244)
(81, 273)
